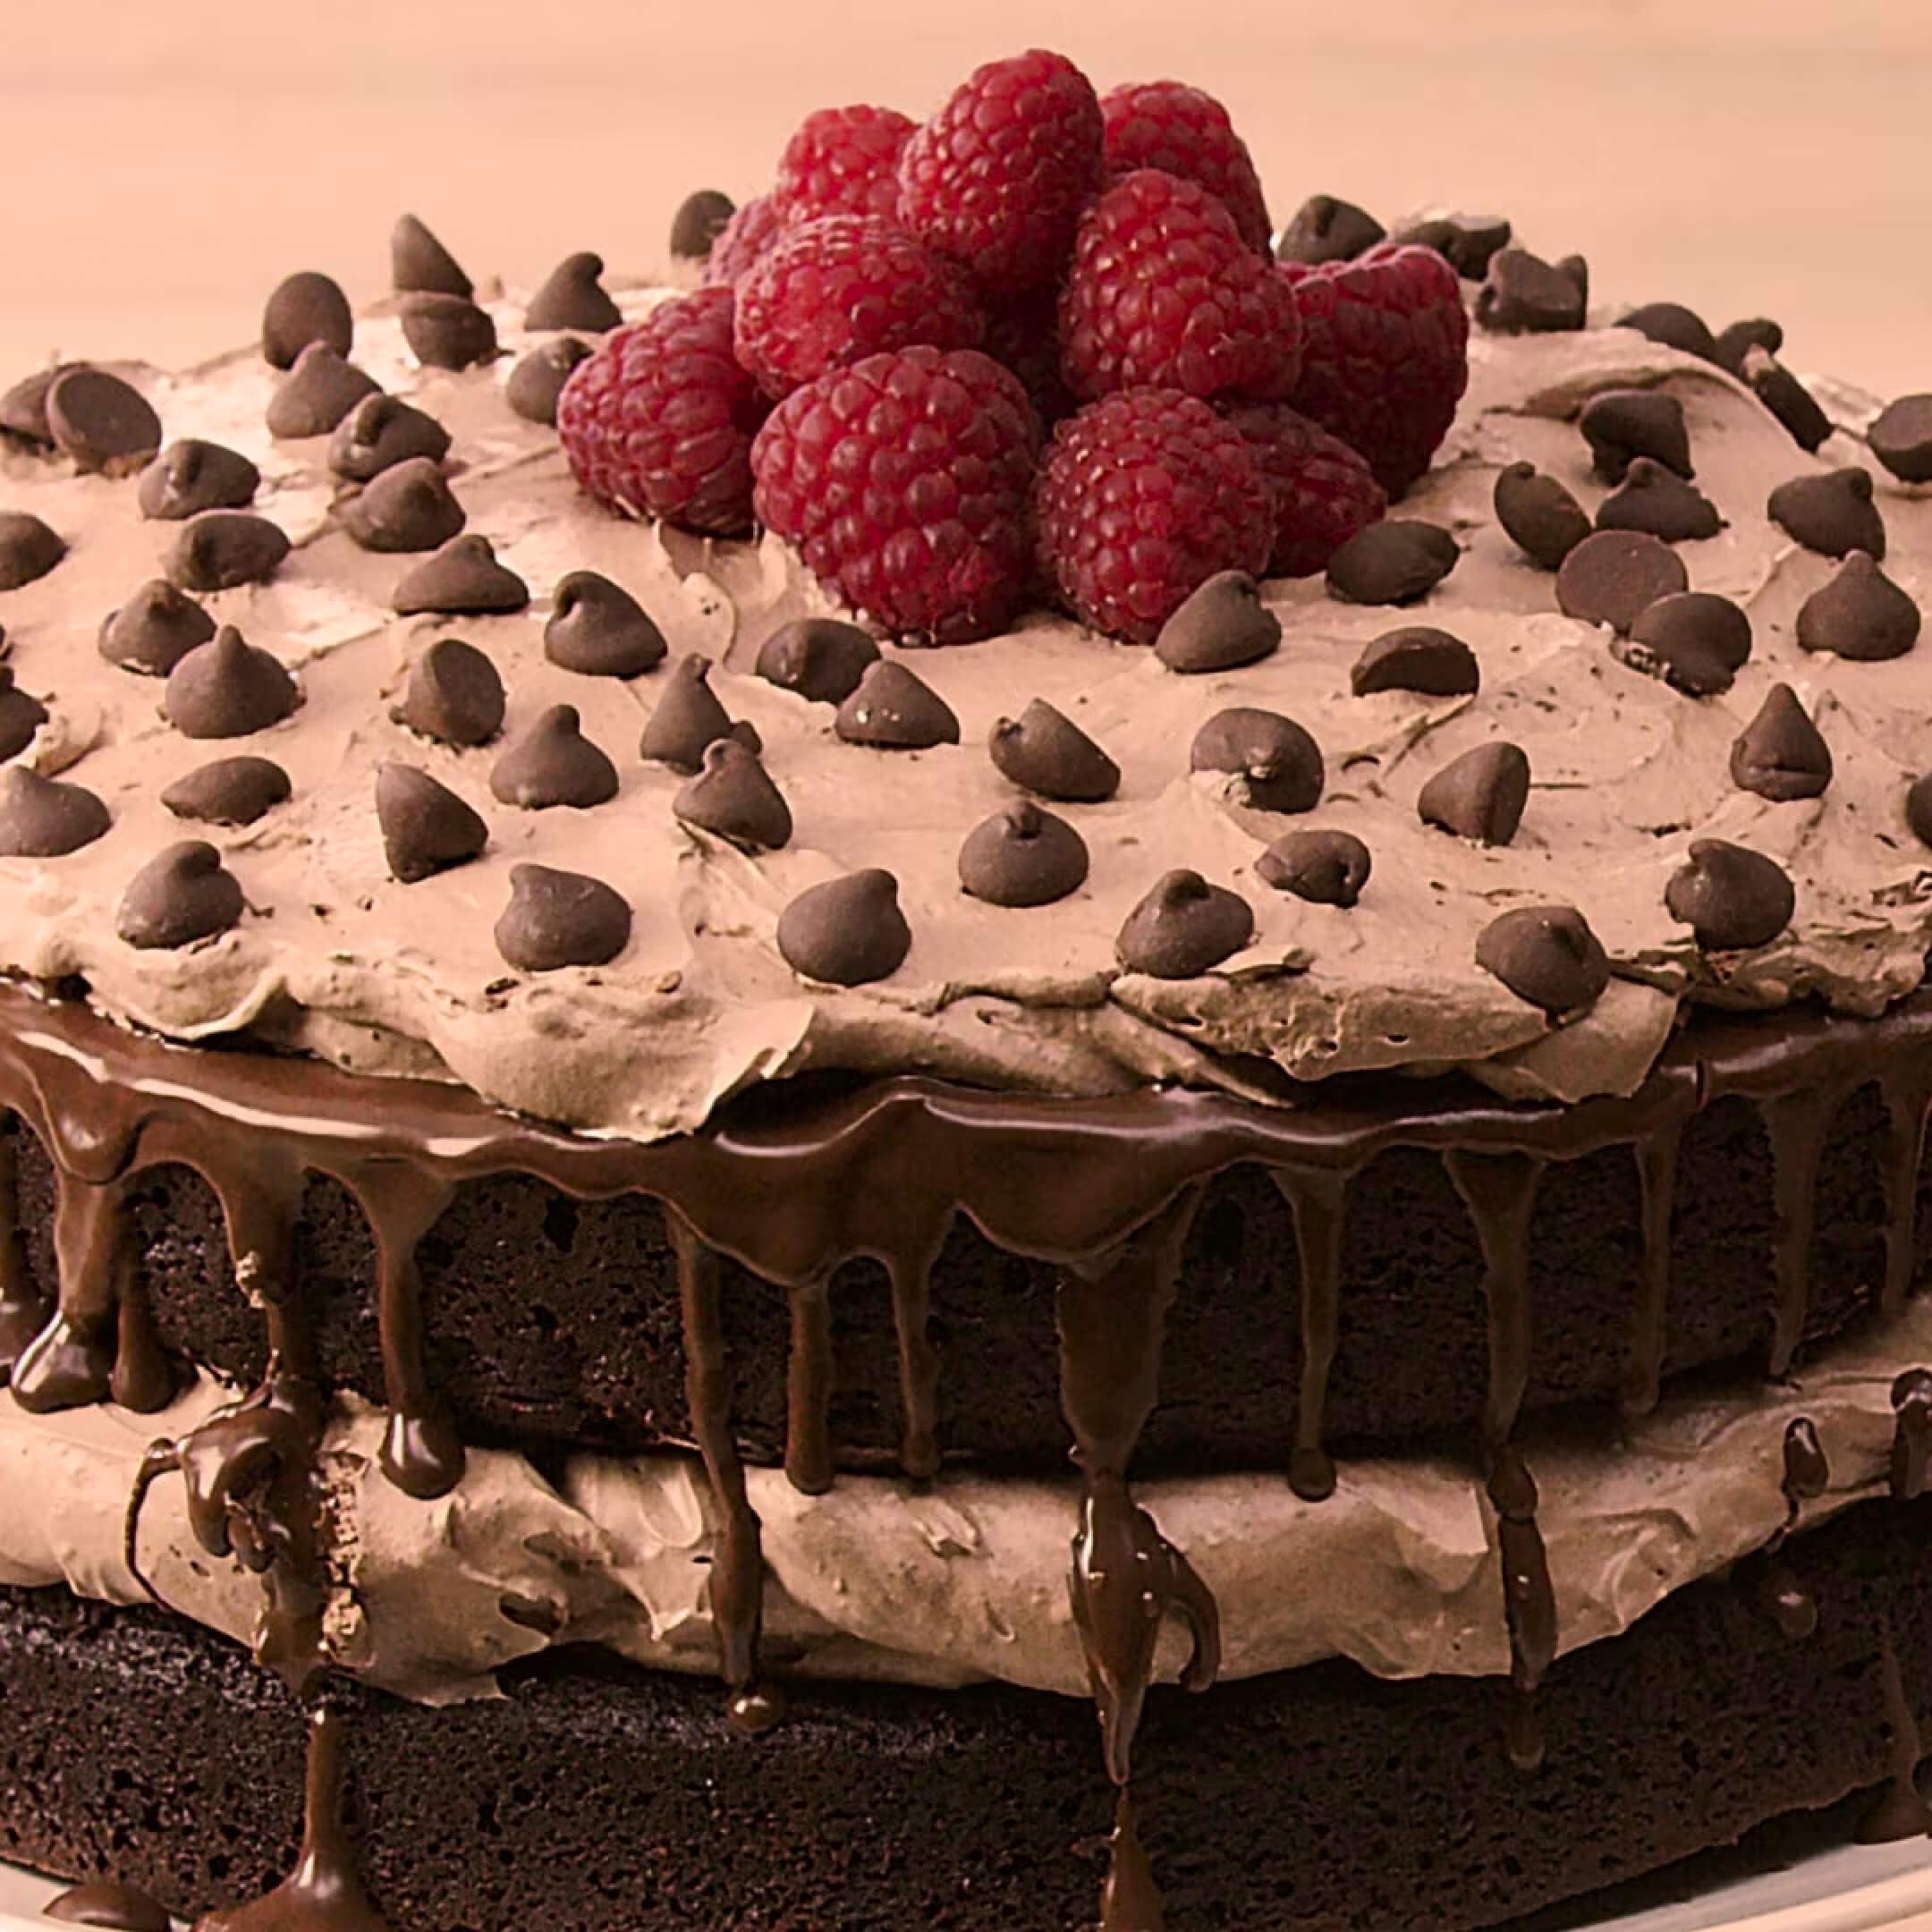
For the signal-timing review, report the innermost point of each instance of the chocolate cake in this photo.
(670, 1262)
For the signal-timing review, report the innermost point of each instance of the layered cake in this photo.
(1030, 1060)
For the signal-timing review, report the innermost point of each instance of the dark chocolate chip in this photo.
(191, 475)
(380, 432)
(463, 579)
(538, 380)
(426, 828)
(1860, 614)
(408, 507)
(21, 716)
(573, 297)
(1222, 625)
(820, 658)
(688, 719)
(102, 422)
(733, 798)
(181, 895)
(848, 931)
(550, 762)
(1781, 754)
(1184, 928)
(1546, 954)
(448, 332)
(220, 549)
(1398, 561)
(1694, 639)
(1417, 658)
(1523, 295)
(1023, 856)
(894, 709)
(1468, 243)
(1659, 502)
(417, 261)
(1735, 343)
(305, 308)
(230, 791)
(1578, 271)
(1614, 576)
(1323, 229)
(1901, 438)
(1622, 423)
(228, 688)
(42, 819)
(698, 222)
(1787, 399)
(1540, 517)
(599, 629)
(1919, 809)
(1479, 795)
(28, 549)
(155, 629)
(1729, 897)
(1277, 765)
(1833, 515)
(317, 394)
(1324, 867)
(23, 408)
(561, 919)
(1675, 326)
(454, 695)
(1045, 751)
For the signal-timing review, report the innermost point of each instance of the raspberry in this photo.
(1385, 355)
(903, 480)
(1141, 498)
(843, 287)
(1164, 124)
(842, 161)
(997, 177)
(1323, 492)
(1164, 293)
(741, 242)
(659, 421)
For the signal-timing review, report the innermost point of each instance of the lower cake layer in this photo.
(595, 1797)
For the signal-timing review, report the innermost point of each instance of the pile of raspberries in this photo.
(1035, 351)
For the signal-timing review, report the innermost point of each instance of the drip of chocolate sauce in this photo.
(1900, 1812)
(1911, 1434)
(1656, 1176)
(1130, 1896)
(1316, 1200)
(1768, 1580)
(118, 1907)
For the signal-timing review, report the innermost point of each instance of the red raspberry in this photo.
(842, 161)
(1164, 293)
(903, 480)
(741, 242)
(1384, 354)
(1168, 125)
(1323, 492)
(997, 177)
(1142, 497)
(659, 421)
(847, 286)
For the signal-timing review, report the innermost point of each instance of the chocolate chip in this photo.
(1045, 751)
(1675, 326)
(1184, 928)
(1578, 271)
(181, 895)
(1417, 658)
(818, 657)
(448, 332)
(1860, 614)
(1729, 897)
(698, 222)
(417, 261)
(229, 792)
(305, 308)
(1394, 561)
(846, 932)
(191, 475)
(1468, 243)
(1693, 639)
(454, 695)
(1787, 399)
(1624, 423)
(426, 828)
(1833, 515)
(28, 549)
(23, 408)
(688, 719)
(550, 763)
(220, 549)
(317, 394)
(1614, 576)
(1479, 795)
(1660, 502)
(894, 709)
(155, 629)
(1780, 755)
(573, 297)
(598, 628)
(1523, 295)
(1222, 624)
(1324, 867)
(733, 798)
(463, 579)
(1277, 765)
(43, 818)
(561, 919)
(1541, 518)
(1023, 856)
(408, 507)
(1546, 954)
(538, 380)
(380, 432)
(1901, 438)
(21, 716)
(1323, 229)
(102, 422)
(227, 689)
(1919, 809)
(1735, 343)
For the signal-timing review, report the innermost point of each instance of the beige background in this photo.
(166, 160)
